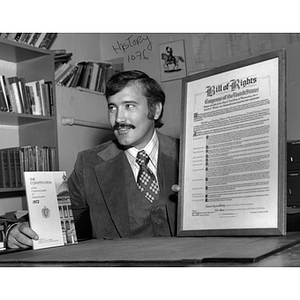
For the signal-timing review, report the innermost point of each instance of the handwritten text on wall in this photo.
(134, 47)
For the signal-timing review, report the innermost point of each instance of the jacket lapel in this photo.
(168, 168)
(110, 174)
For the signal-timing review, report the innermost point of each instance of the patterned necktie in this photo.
(146, 180)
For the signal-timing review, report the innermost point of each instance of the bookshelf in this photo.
(20, 129)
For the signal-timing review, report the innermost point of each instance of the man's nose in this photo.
(120, 115)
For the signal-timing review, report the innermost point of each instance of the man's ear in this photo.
(158, 110)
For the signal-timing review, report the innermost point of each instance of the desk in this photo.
(174, 251)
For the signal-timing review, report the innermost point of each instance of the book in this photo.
(68, 80)
(49, 208)
(109, 71)
(25, 38)
(3, 103)
(63, 56)
(85, 75)
(11, 168)
(45, 99)
(11, 95)
(24, 96)
(35, 92)
(59, 51)
(34, 39)
(48, 40)
(101, 82)
(18, 170)
(61, 71)
(6, 92)
(75, 81)
(2, 237)
(16, 93)
(11, 36)
(65, 74)
(40, 39)
(94, 74)
(4, 169)
(17, 36)
(50, 97)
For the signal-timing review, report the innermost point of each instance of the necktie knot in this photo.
(142, 158)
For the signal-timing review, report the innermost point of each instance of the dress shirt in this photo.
(151, 149)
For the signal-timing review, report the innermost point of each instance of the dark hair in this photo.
(150, 89)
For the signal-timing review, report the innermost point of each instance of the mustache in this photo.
(123, 125)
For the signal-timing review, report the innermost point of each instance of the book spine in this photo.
(5, 168)
(24, 97)
(17, 36)
(27, 38)
(65, 75)
(6, 92)
(40, 39)
(46, 102)
(3, 103)
(48, 40)
(2, 171)
(77, 76)
(17, 94)
(12, 168)
(50, 97)
(11, 96)
(34, 39)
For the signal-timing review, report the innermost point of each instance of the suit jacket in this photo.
(97, 187)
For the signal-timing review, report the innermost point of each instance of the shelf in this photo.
(32, 64)
(15, 190)
(16, 119)
(88, 91)
(17, 52)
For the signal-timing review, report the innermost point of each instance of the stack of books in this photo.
(39, 40)
(15, 161)
(18, 96)
(86, 75)
(61, 56)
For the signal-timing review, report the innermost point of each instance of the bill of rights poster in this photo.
(232, 155)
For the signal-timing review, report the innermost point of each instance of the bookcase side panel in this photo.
(8, 68)
(9, 136)
(37, 68)
(39, 134)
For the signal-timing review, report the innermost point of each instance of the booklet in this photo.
(49, 208)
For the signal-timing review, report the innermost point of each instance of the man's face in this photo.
(128, 116)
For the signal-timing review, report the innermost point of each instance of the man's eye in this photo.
(129, 106)
(111, 108)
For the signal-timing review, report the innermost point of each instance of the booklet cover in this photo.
(49, 208)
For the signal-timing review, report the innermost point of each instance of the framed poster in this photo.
(172, 60)
(232, 155)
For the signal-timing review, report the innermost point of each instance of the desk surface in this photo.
(182, 251)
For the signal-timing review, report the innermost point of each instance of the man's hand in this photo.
(21, 236)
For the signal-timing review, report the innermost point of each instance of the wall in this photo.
(84, 46)
(205, 51)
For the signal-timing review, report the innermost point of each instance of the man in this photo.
(124, 186)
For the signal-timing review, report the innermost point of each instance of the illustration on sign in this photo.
(172, 60)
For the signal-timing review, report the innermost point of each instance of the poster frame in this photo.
(218, 230)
